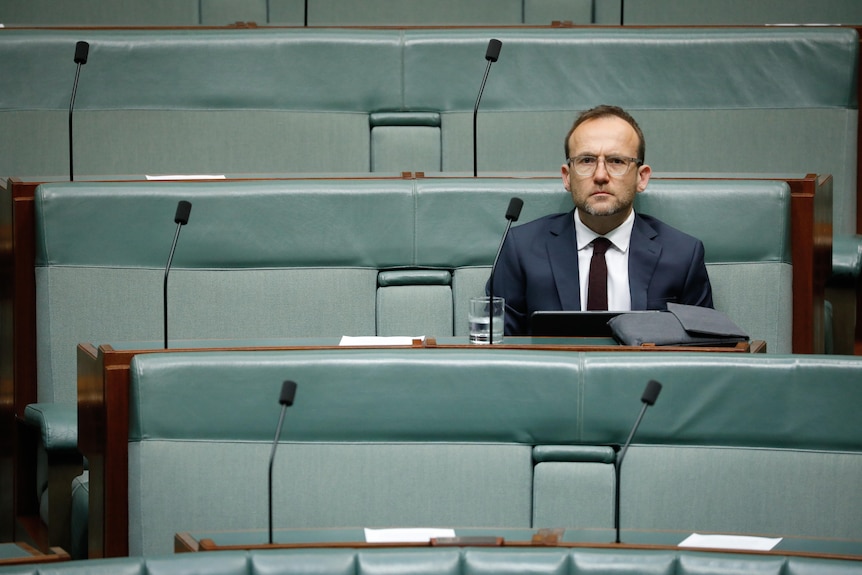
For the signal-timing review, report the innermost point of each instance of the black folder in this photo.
(679, 325)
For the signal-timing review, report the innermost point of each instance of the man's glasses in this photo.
(615, 165)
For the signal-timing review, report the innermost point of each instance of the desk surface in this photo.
(598, 538)
(549, 343)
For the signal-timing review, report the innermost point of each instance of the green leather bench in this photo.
(737, 443)
(419, 13)
(325, 258)
(313, 13)
(312, 258)
(443, 561)
(253, 102)
(256, 101)
(733, 12)
(397, 100)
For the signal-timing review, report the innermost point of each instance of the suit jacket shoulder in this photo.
(663, 229)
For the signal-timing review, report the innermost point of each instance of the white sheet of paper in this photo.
(742, 542)
(188, 177)
(409, 535)
(379, 340)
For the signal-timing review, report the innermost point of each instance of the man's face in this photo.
(604, 201)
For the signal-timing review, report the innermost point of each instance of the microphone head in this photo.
(184, 208)
(514, 211)
(493, 51)
(81, 51)
(288, 391)
(653, 388)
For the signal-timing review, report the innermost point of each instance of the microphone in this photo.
(81, 51)
(288, 391)
(181, 218)
(650, 394)
(491, 55)
(512, 214)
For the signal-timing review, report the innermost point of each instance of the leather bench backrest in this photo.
(419, 13)
(732, 12)
(744, 225)
(313, 258)
(734, 444)
(338, 100)
(448, 561)
(256, 260)
(418, 439)
(313, 13)
(700, 110)
(197, 101)
(511, 438)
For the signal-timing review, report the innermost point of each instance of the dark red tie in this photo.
(597, 290)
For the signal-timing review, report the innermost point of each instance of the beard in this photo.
(605, 208)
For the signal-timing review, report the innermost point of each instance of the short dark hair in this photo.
(604, 111)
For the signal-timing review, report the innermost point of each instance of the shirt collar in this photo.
(620, 236)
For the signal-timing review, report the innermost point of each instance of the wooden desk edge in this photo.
(753, 346)
(53, 555)
(186, 543)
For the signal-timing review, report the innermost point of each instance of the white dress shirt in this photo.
(617, 258)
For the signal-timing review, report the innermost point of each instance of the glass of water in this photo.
(481, 309)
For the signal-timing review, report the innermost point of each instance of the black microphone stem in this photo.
(72, 107)
(475, 116)
(288, 392)
(492, 53)
(649, 397)
(271, 461)
(513, 212)
(82, 49)
(491, 285)
(167, 271)
(618, 463)
(622, 454)
(181, 218)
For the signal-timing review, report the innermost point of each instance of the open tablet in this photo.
(574, 323)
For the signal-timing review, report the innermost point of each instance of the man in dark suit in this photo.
(544, 264)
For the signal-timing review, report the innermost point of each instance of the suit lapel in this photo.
(643, 258)
(563, 255)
